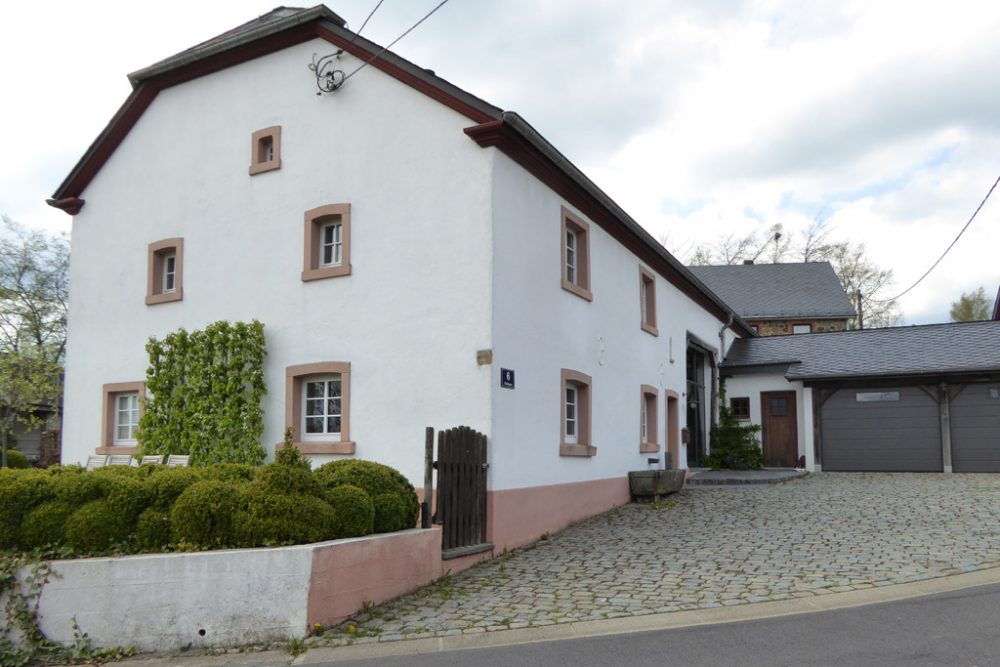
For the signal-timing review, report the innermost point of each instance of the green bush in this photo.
(376, 479)
(281, 478)
(391, 514)
(230, 472)
(80, 488)
(96, 527)
(269, 519)
(733, 445)
(203, 514)
(130, 497)
(46, 524)
(167, 484)
(16, 459)
(353, 511)
(152, 530)
(21, 491)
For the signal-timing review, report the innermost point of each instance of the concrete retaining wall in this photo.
(163, 602)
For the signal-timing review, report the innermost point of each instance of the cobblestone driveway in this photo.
(709, 547)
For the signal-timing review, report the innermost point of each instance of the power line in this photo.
(946, 250)
(370, 15)
(390, 45)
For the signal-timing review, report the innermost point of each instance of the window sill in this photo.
(261, 167)
(345, 447)
(648, 448)
(581, 292)
(332, 272)
(650, 329)
(577, 450)
(164, 297)
(118, 449)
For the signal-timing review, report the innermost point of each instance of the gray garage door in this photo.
(890, 430)
(975, 429)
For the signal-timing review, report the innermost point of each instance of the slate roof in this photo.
(779, 291)
(931, 349)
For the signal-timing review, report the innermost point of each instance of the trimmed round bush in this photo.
(16, 459)
(391, 513)
(152, 530)
(79, 489)
(281, 478)
(353, 511)
(268, 519)
(230, 472)
(96, 527)
(167, 484)
(21, 491)
(46, 524)
(374, 478)
(203, 514)
(130, 497)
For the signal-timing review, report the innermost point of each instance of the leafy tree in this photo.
(859, 275)
(205, 391)
(34, 283)
(971, 307)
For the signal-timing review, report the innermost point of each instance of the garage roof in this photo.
(779, 291)
(931, 349)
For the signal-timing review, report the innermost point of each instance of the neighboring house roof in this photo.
(779, 291)
(505, 130)
(996, 307)
(932, 349)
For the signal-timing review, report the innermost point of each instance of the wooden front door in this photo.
(780, 435)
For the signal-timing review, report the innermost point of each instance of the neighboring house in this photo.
(917, 398)
(410, 249)
(779, 299)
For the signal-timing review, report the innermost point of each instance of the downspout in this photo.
(716, 379)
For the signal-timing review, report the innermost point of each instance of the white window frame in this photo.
(335, 244)
(170, 273)
(808, 328)
(325, 434)
(131, 411)
(644, 428)
(571, 427)
(572, 241)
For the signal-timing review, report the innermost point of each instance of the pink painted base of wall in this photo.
(518, 517)
(349, 573)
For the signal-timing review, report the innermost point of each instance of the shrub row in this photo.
(150, 509)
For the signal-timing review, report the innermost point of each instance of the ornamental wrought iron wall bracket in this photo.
(329, 77)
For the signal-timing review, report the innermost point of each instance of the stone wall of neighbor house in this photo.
(178, 601)
(784, 327)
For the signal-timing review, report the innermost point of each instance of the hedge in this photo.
(119, 509)
(16, 459)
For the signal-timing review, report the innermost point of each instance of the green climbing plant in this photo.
(205, 389)
(734, 446)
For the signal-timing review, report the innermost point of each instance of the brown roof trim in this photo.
(520, 142)
(174, 71)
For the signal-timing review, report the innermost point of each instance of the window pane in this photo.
(314, 425)
(334, 388)
(333, 425)
(333, 406)
(314, 407)
(327, 254)
(314, 390)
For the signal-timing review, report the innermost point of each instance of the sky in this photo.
(701, 118)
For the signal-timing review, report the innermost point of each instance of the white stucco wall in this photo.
(540, 328)
(409, 318)
(751, 386)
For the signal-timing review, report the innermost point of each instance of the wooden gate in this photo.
(461, 492)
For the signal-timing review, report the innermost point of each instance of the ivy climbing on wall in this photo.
(204, 392)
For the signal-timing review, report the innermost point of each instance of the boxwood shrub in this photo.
(96, 527)
(353, 511)
(376, 479)
(203, 514)
(153, 531)
(267, 519)
(16, 459)
(46, 524)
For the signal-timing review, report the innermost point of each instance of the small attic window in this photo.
(265, 150)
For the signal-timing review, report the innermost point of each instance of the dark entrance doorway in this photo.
(780, 434)
(695, 407)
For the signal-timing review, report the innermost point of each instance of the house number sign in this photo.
(506, 378)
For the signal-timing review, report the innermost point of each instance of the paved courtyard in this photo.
(711, 547)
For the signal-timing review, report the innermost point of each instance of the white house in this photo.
(403, 242)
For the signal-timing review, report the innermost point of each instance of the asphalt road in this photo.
(961, 628)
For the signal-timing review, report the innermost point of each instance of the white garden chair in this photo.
(120, 460)
(178, 460)
(95, 461)
(151, 459)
